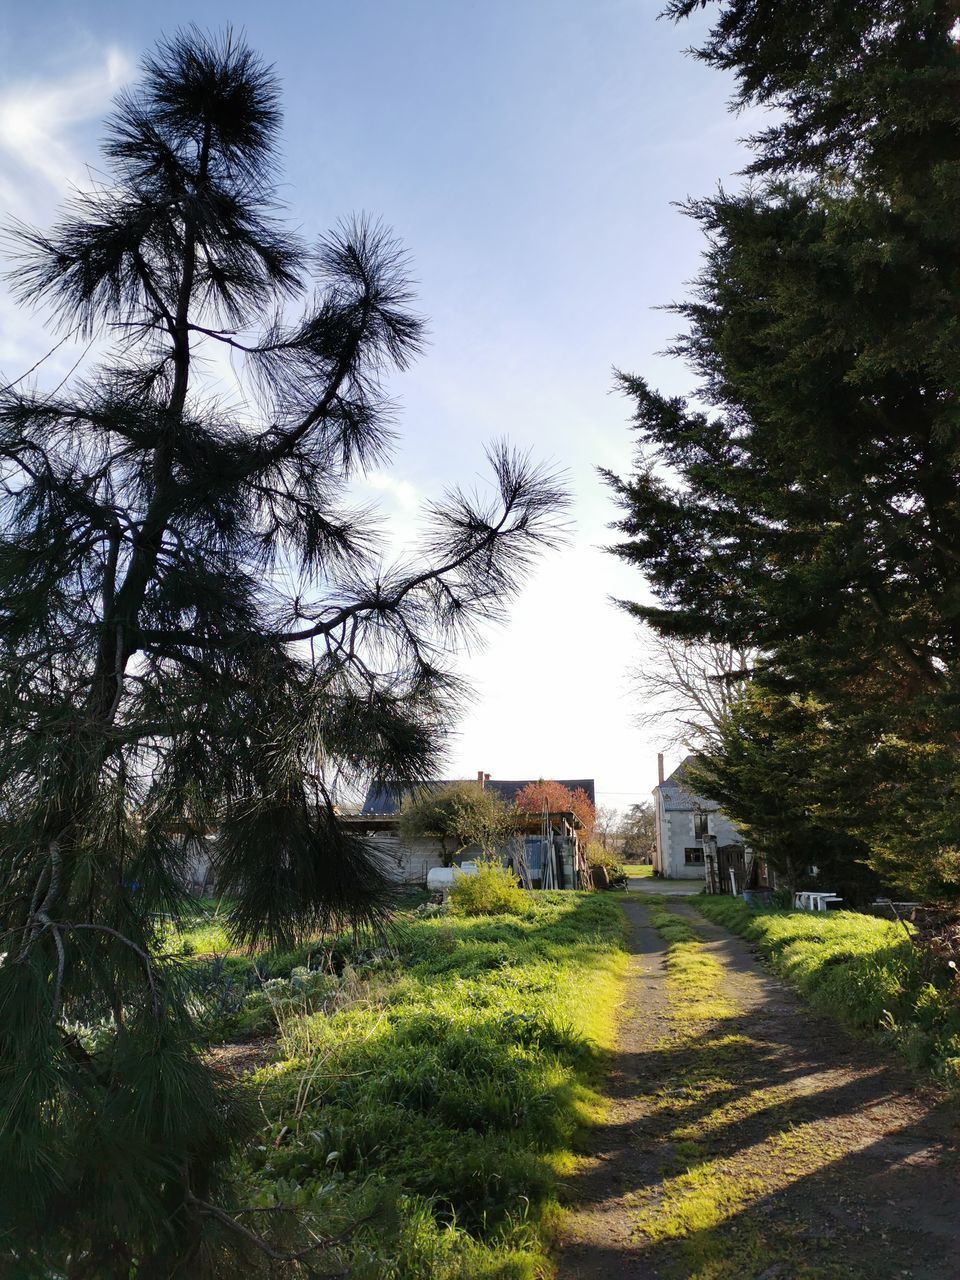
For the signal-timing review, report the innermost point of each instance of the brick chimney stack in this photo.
(482, 778)
(660, 777)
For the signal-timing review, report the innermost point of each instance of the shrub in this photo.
(459, 815)
(615, 875)
(491, 891)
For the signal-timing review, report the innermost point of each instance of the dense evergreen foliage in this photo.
(778, 767)
(198, 632)
(805, 502)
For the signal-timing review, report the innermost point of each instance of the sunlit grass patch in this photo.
(697, 1200)
(805, 1146)
(672, 928)
(694, 978)
(453, 1088)
(862, 970)
(731, 1137)
(201, 930)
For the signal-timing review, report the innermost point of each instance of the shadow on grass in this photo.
(461, 1075)
(768, 1143)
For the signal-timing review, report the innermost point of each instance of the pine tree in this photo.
(806, 501)
(197, 632)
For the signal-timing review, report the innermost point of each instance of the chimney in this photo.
(660, 766)
(482, 778)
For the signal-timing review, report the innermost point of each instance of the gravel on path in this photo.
(762, 1142)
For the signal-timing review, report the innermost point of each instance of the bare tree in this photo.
(606, 826)
(637, 833)
(687, 687)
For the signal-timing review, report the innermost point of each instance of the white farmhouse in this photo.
(683, 818)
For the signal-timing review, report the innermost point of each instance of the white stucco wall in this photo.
(675, 834)
(198, 874)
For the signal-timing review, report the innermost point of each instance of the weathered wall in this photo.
(198, 876)
(408, 861)
(677, 835)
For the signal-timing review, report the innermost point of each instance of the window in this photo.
(700, 827)
(693, 856)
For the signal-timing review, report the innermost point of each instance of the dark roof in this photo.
(384, 798)
(509, 790)
(679, 798)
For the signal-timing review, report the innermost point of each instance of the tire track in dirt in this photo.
(756, 1139)
(596, 1238)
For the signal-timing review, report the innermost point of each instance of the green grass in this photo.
(693, 977)
(709, 1102)
(862, 970)
(442, 1096)
(200, 931)
(638, 868)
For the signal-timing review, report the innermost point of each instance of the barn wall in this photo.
(407, 861)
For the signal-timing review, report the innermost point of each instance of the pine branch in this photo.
(260, 1242)
(196, 630)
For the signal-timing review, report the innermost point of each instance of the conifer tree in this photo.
(775, 764)
(197, 630)
(805, 502)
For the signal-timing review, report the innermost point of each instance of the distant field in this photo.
(638, 869)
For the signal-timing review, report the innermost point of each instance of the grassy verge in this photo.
(201, 930)
(693, 977)
(862, 970)
(237, 994)
(638, 868)
(440, 1094)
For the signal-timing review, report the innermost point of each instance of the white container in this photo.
(440, 879)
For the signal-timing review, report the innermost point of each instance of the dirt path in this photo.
(748, 1137)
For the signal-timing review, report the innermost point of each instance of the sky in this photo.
(529, 154)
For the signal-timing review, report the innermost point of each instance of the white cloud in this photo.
(44, 143)
(401, 505)
(402, 492)
(37, 119)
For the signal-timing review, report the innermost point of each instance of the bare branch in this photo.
(686, 688)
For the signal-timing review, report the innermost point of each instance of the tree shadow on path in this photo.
(762, 1143)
